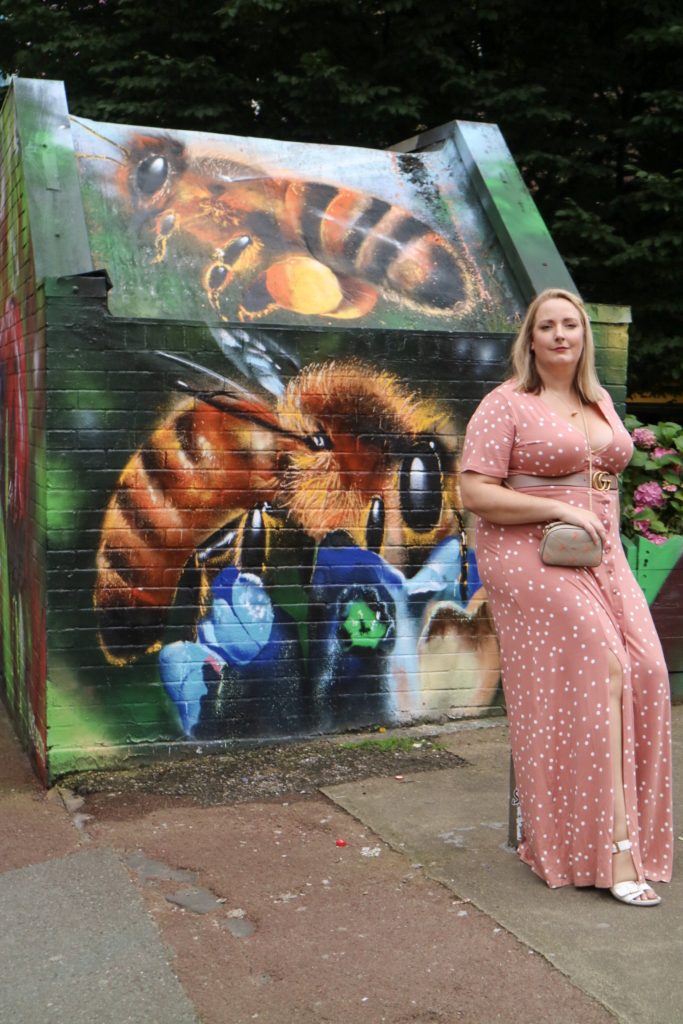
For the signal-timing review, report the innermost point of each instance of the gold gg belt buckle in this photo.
(601, 480)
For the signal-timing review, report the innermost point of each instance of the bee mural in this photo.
(264, 245)
(347, 457)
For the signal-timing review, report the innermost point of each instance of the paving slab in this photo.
(454, 822)
(78, 946)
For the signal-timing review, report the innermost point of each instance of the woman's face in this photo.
(557, 336)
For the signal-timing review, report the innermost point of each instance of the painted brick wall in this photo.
(22, 501)
(300, 622)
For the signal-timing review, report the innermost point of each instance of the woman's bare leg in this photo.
(623, 868)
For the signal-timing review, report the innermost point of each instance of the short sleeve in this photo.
(489, 437)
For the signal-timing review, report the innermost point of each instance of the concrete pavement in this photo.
(455, 824)
(105, 962)
(130, 908)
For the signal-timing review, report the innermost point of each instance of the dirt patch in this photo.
(270, 772)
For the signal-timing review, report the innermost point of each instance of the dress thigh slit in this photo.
(629, 781)
(555, 632)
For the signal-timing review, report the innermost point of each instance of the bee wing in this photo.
(257, 358)
(218, 391)
(193, 378)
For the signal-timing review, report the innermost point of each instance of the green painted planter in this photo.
(655, 565)
(652, 563)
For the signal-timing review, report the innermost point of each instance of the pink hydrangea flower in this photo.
(644, 438)
(658, 453)
(670, 487)
(642, 527)
(649, 495)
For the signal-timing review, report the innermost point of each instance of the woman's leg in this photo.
(623, 868)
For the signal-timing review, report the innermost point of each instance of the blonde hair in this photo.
(522, 357)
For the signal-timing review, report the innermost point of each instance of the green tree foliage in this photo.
(587, 95)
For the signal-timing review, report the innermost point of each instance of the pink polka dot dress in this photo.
(555, 627)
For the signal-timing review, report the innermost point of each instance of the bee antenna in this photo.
(228, 393)
(104, 159)
(98, 135)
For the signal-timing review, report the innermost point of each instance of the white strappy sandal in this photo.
(631, 892)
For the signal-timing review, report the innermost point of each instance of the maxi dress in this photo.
(556, 627)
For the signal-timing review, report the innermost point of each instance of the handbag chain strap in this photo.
(590, 457)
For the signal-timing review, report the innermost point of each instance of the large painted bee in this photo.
(265, 244)
(345, 452)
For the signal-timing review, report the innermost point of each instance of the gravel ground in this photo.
(269, 772)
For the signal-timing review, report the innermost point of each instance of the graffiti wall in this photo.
(240, 555)
(253, 439)
(22, 500)
(260, 358)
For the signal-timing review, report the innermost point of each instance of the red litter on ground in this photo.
(341, 842)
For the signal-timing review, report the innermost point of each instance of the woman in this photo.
(584, 675)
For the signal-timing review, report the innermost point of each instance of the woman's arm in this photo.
(487, 498)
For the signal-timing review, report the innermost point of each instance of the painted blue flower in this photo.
(182, 671)
(241, 618)
(235, 632)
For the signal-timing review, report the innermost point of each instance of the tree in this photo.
(587, 96)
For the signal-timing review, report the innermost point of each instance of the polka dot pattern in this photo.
(556, 627)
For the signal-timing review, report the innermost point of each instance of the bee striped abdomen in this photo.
(380, 248)
(352, 236)
(195, 472)
(137, 519)
(360, 235)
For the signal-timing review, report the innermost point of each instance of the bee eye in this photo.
(217, 277)
(320, 442)
(420, 488)
(232, 252)
(151, 174)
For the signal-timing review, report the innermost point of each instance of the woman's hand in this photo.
(583, 517)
